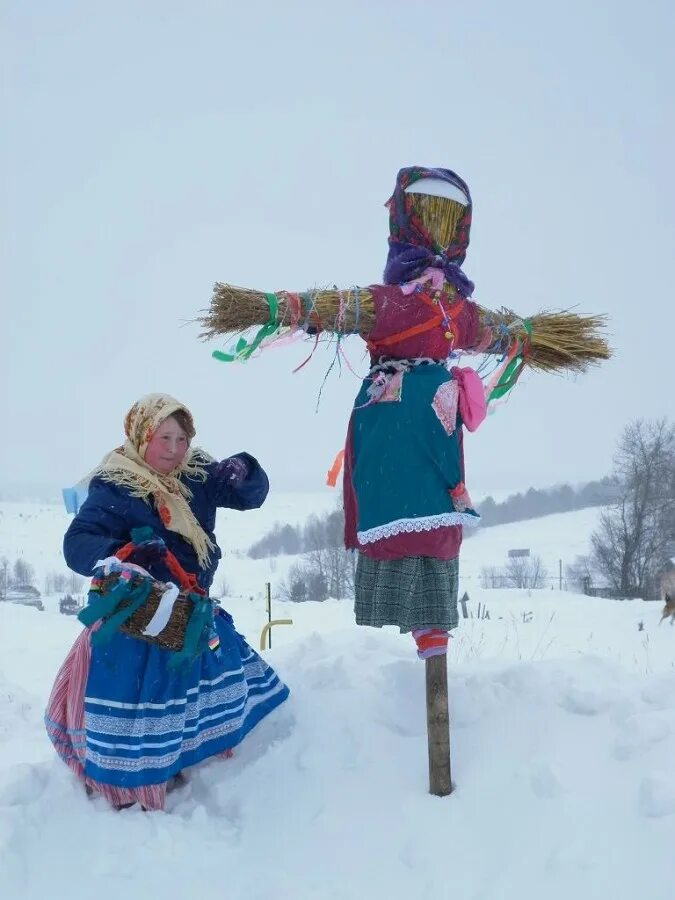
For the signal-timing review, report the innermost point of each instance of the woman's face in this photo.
(167, 447)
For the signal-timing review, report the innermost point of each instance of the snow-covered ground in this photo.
(563, 751)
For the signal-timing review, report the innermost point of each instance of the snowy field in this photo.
(563, 750)
(34, 532)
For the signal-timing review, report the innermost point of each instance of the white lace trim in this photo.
(410, 526)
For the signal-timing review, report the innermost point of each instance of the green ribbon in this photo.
(102, 605)
(243, 350)
(513, 371)
(200, 619)
(105, 606)
(508, 379)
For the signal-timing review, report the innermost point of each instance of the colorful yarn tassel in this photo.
(431, 642)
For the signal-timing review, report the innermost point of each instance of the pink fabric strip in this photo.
(472, 402)
(66, 707)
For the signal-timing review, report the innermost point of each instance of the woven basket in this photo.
(172, 636)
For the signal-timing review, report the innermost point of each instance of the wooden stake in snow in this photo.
(438, 726)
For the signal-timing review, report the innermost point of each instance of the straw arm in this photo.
(550, 341)
(234, 309)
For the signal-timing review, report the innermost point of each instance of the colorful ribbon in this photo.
(513, 368)
(244, 350)
(334, 471)
(197, 632)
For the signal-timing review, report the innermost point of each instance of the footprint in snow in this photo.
(23, 783)
(656, 795)
(545, 780)
(328, 675)
(584, 702)
(401, 706)
(640, 732)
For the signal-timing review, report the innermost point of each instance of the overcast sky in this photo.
(152, 148)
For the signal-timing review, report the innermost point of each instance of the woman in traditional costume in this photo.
(122, 715)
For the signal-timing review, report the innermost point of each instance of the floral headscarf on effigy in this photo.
(411, 248)
(125, 466)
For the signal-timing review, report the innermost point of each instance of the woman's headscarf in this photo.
(125, 466)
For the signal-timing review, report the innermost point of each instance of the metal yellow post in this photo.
(268, 628)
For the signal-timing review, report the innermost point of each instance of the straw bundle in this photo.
(558, 340)
(234, 309)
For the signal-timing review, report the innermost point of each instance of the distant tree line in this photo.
(318, 533)
(635, 541)
(325, 569)
(520, 572)
(322, 532)
(20, 576)
(534, 503)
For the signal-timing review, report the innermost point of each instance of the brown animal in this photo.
(668, 595)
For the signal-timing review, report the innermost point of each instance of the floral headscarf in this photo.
(126, 466)
(411, 248)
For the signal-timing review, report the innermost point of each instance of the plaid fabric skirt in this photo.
(412, 592)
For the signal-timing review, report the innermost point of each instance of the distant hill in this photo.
(326, 530)
(534, 503)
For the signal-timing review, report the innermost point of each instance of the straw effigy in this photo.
(553, 341)
(558, 340)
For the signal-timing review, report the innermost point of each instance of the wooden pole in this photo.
(438, 726)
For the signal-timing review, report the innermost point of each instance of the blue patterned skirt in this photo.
(143, 723)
